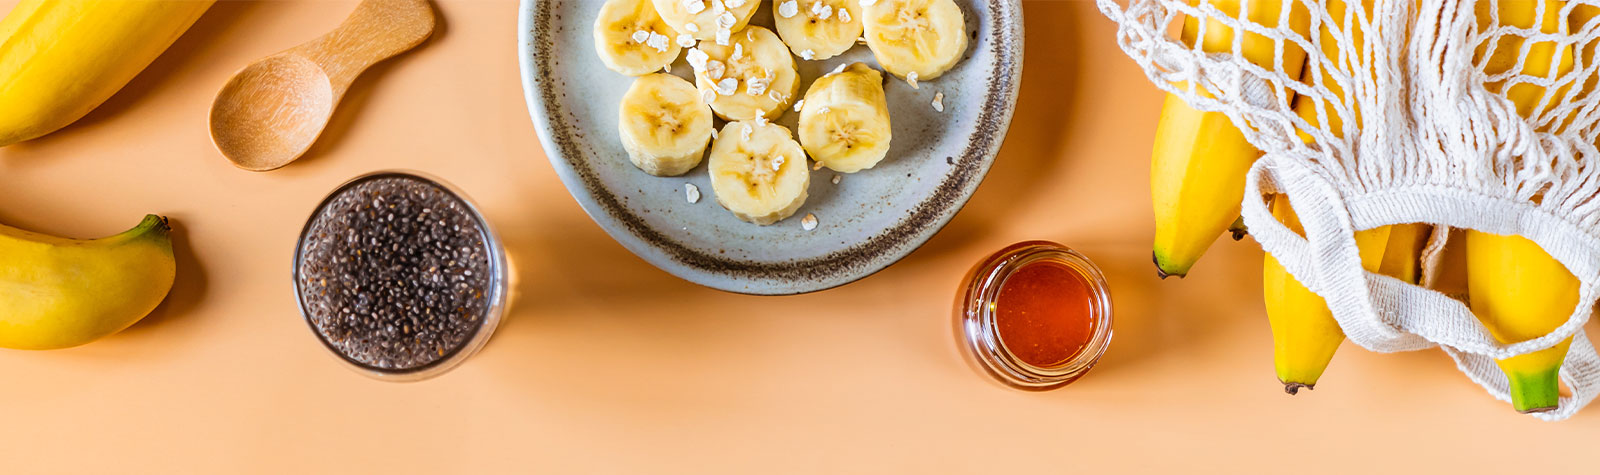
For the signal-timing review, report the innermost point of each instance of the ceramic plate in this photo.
(867, 221)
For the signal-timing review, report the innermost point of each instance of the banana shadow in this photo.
(188, 288)
(1152, 316)
(165, 72)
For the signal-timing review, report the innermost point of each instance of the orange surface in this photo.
(610, 365)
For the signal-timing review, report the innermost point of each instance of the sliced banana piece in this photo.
(927, 37)
(758, 172)
(818, 29)
(707, 19)
(752, 77)
(664, 124)
(632, 39)
(844, 122)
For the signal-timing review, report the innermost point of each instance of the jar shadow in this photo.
(556, 267)
(1153, 317)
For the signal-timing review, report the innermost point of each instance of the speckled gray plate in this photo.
(869, 220)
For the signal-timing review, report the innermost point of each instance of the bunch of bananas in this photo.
(1200, 160)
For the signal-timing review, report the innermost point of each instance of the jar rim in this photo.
(976, 326)
(497, 291)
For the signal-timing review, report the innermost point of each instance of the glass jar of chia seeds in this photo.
(400, 276)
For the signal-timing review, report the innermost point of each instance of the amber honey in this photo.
(1035, 315)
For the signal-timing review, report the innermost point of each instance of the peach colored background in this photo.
(610, 365)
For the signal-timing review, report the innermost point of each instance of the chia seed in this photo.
(394, 273)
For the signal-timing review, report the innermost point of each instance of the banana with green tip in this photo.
(1516, 289)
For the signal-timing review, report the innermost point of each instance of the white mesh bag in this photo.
(1438, 143)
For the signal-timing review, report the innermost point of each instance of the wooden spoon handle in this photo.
(377, 30)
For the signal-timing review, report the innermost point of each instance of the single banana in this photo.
(632, 39)
(665, 126)
(752, 77)
(1516, 289)
(1577, 21)
(1304, 333)
(1306, 106)
(758, 172)
(844, 123)
(1545, 59)
(818, 29)
(1402, 256)
(918, 39)
(59, 293)
(713, 20)
(1200, 159)
(1519, 292)
(59, 59)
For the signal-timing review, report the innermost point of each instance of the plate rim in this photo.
(1009, 73)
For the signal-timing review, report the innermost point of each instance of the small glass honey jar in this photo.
(1035, 315)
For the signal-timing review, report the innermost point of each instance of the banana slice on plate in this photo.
(818, 29)
(632, 39)
(844, 122)
(758, 172)
(713, 20)
(752, 77)
(664, 124)
(926, 37)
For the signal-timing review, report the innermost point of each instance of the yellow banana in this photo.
(59, 59)
(1304, 333)
(1200, 159)
(1402, 256)
(1519, 292)
(1547, 59)
(1577, 21)
(1515, 288)
(1306, 106)
(57, 293)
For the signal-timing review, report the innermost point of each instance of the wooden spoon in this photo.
(273, 110)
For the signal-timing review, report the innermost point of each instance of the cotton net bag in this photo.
(1438, 141)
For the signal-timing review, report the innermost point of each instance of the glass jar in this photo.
(977, 309)
(495, 292)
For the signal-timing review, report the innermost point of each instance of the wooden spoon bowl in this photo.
(272, 111)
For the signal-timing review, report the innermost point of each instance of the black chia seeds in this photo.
(394, 272)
